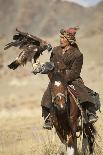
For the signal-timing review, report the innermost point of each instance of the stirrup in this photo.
(47, 125)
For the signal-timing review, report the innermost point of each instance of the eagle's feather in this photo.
(31, 46)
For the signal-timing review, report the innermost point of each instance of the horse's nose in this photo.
(63, 107)
(60, 107)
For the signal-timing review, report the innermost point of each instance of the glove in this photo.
(47, 67)
(44, 69)
(37, 70)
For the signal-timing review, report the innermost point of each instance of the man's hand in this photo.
(37, 70)
(48, 46)
(44, 68)
(47, 67)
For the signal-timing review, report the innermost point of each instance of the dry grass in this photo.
(24, 136)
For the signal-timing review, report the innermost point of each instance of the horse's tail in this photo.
(89, 134)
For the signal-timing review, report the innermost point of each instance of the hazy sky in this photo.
(85, 3)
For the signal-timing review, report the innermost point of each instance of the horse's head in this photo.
(59, 95)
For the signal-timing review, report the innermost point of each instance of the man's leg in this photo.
(46, 104)
(92, 113)
(47, 119)
(90, 107)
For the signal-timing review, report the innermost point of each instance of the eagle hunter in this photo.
(32, 47)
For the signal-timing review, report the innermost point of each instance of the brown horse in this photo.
(64, 115)
(64, 112)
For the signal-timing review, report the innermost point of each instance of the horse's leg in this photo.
(72, 141)
(61, 136)
(58, 130)
(70, 144)
(70, 150)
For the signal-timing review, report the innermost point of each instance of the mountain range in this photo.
(47, 17)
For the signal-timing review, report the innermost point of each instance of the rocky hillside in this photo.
(47, 17)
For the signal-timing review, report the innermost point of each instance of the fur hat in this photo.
(70, 34)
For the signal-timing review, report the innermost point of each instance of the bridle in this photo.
(60, 95)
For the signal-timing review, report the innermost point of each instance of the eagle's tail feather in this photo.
(14, 65)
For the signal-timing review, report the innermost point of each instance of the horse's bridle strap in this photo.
(61, 94)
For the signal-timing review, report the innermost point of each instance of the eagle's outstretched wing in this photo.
(31, 47)
(21, 39)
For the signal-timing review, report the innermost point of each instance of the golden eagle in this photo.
(31, 46)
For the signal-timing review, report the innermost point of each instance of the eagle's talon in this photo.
(49, 47)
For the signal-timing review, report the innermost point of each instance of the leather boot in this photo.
(92, 114)
(47, 119)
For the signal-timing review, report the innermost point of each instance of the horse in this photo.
(64, 115)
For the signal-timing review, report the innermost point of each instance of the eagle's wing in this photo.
(30, 45)
(26, 55)
(20, 39)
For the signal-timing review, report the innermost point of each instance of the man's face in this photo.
(63, 41)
